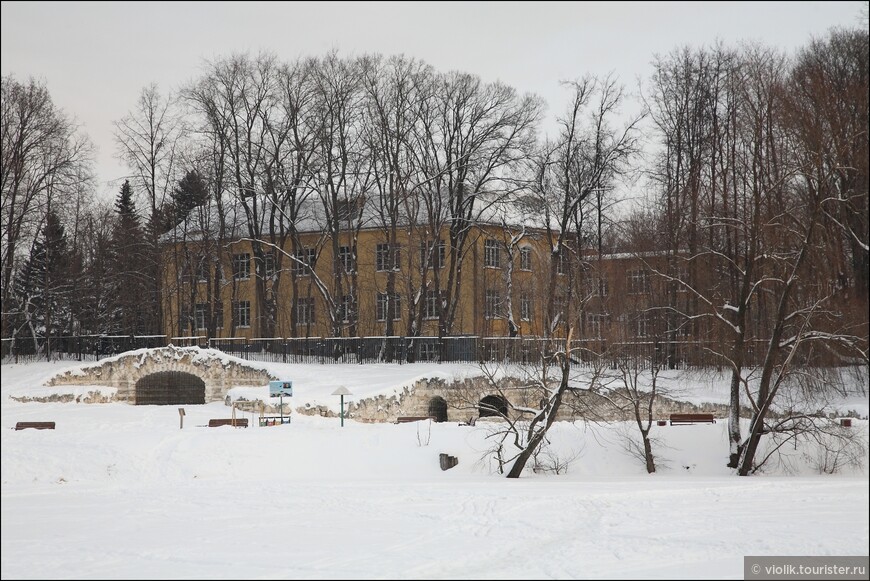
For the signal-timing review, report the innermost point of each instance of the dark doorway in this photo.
(170, 388)
(438, 409)
(493, 406)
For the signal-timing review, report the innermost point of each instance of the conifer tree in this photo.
(129, 268)
(42, 287)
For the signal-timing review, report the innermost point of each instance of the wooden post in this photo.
(180, 418)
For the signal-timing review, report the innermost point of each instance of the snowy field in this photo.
(119, 492)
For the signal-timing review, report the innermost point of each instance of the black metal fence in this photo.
(75, 348)
(361, 350)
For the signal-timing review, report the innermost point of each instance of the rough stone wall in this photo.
(463, 396)
(123, 371)
(90, 397)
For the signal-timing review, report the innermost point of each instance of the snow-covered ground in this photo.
(120, 492)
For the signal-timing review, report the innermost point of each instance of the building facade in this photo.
(365, 285)
(495, 282)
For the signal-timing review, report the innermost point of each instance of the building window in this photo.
(219, 315)
(525, 307)
(561, 262)
(304, 310)
(641, 325)
(491, 253)
(595, 323)
(346, 258)
(525, 258)
(384, 260)
(682, 275)
(183, 319)
(686, 329)
(243, 313)
(638, 282)
(431, 255)
(345, 309)
(389, 306)
(492, 304)
(241, 266)
(597, 286)
(268, 264)
(199, 315)
(202, 269)
(432, 306)
(304, 260)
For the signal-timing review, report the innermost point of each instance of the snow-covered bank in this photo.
(119, 491)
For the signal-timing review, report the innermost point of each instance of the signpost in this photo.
(281, 388)
(342, 391)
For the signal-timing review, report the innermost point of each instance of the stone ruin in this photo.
(167, 375)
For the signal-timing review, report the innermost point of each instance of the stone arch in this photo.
(438, 408)
(493, 406)
(169, 388)
(218, 371)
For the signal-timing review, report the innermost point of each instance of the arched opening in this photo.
(493, 406)
(438, 409)
(170, 388)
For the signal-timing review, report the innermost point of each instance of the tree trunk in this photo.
(647, 454)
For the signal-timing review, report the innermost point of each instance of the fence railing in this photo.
(75, 348)
(361, 350)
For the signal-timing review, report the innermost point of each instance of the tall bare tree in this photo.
(44, 158)
(237, 98)
(343, 181)
(147, 140)
(472, 139)
(393, 89)
(589, 153)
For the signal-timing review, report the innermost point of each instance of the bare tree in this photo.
(587, 156)
(632, 389)
(342, 181)
(295, 140)
(44, 158)
(826, 108)
(752, 196)
(472, 138)
(393, 89)
(237, 99)
(528, 406)
(147, 139)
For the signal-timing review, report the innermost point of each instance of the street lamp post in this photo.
(342, 391)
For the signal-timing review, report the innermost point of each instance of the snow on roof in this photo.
(204, 221)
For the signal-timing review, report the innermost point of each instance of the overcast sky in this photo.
(96, 57)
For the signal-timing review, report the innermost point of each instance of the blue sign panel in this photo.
(282, 387)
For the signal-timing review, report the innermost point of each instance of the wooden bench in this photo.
(677, 419)
(404, 419)
(238, 422)
(35, 425)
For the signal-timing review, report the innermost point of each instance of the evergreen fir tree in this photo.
(129, 266)
(191, 192)
(41, 286)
